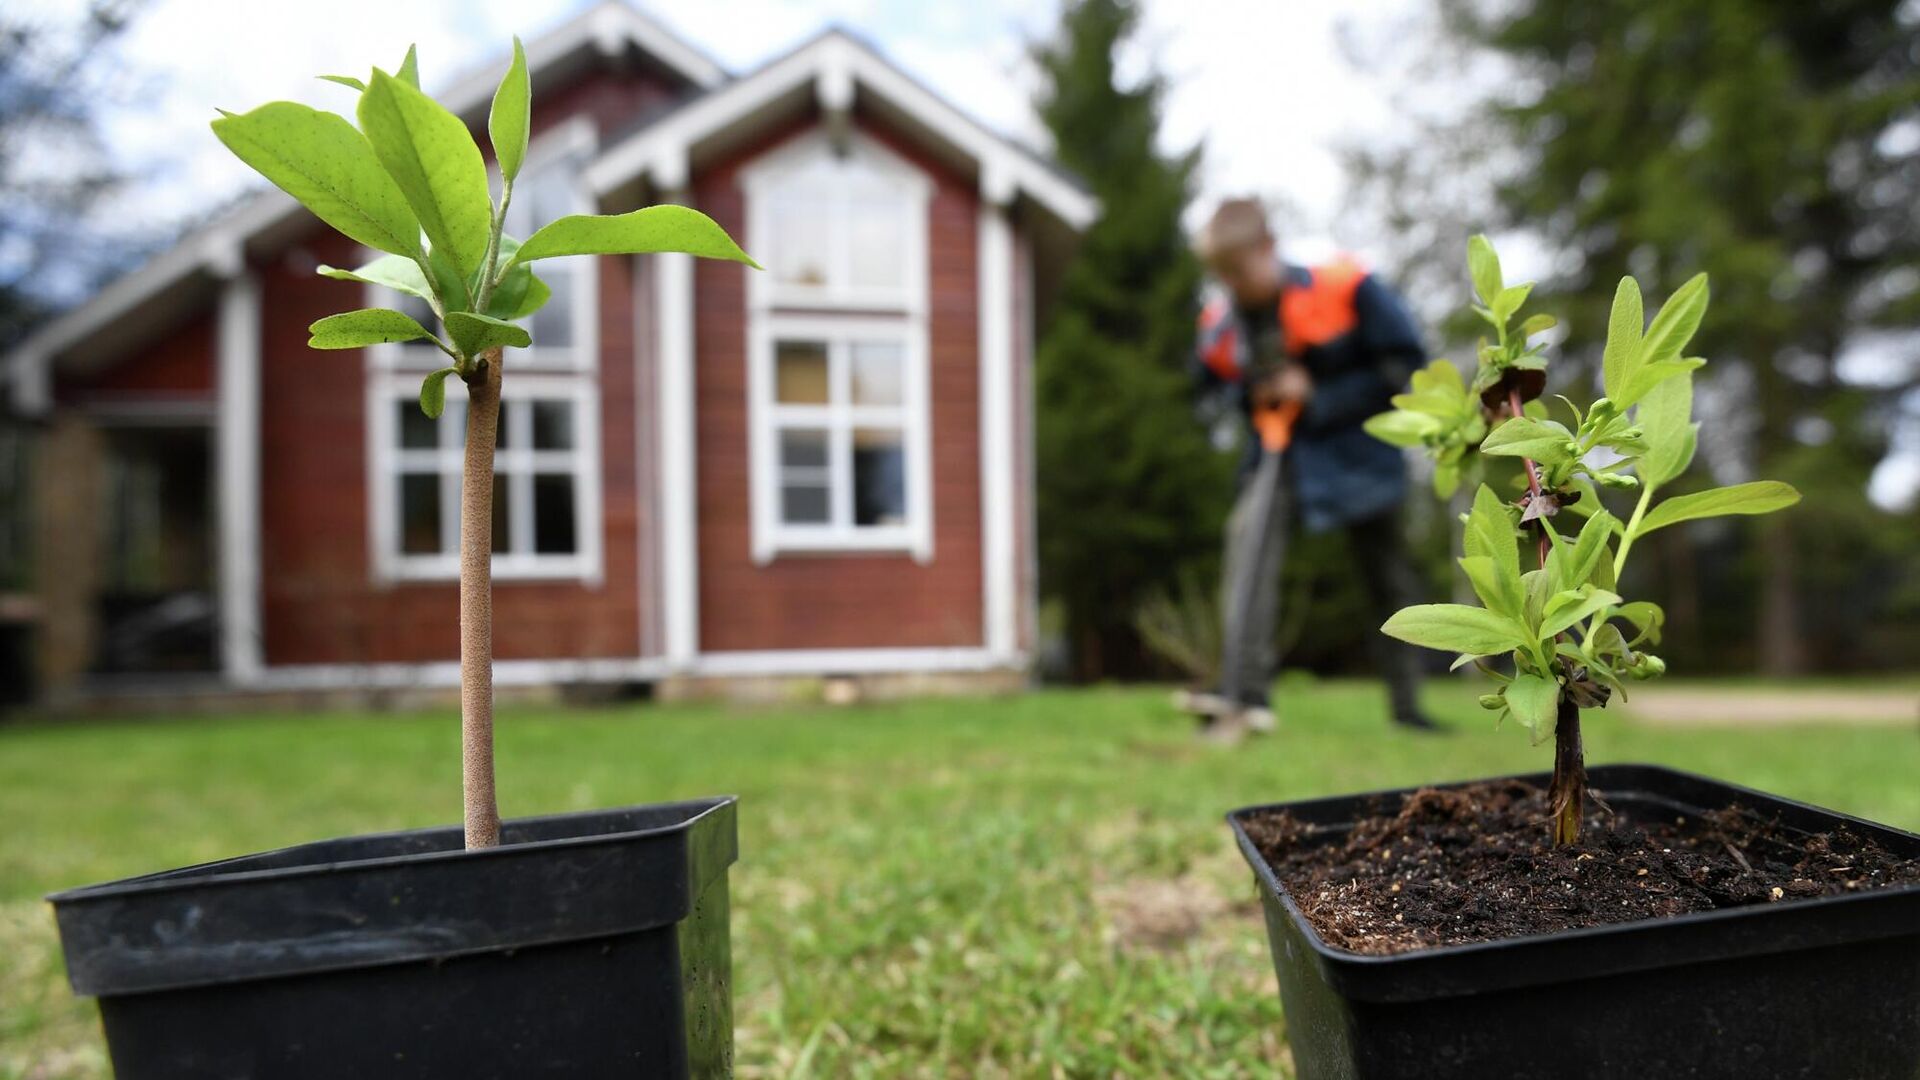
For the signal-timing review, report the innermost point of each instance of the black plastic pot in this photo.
(586, 945)
(1826, 988)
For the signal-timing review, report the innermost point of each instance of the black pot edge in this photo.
(206, 873)
(1533, 959)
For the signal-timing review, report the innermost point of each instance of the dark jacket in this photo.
(1360, 345)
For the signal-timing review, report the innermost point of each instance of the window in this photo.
(838, 351)
(545, 509)
(546, 496)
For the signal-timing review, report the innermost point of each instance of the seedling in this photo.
(1575, 641)
(410, 181)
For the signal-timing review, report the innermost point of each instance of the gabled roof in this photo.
(217, 249)
(837, 66)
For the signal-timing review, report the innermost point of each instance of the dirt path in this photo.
(1703, 707)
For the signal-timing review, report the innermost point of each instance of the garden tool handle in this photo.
(1275, 425)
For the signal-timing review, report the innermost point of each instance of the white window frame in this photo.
(838, 314)
(394, 372)
(517, 461)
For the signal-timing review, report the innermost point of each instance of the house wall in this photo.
(837, 601)
(178, 368)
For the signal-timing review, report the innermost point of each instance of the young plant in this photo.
(1575, 642)
(410, 181)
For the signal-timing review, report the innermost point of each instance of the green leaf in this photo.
(1624, 327)
(1755, 497)
(475, 334)
(1645, 377)
(1545, 441)
(367, 326)
(1446, 479)
(1666, 414)
(1493, 591)
(532, 300)
(1509, 301)
(508, 123)
(1572, 606)
(1672, 328)
(1535, 702)
(434, 161)
(644, 231)
(1572, 564)
(1647, 618)
(1536, 586)
(1537, 323)
(343, 80)
(1455, 628)
(394, 272)
(1490, 534)
(433, 392)
(319, 159)
(409, 72)
(1402, 428)
(1484, 265)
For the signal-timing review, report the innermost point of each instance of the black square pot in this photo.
(1821, 989)
(585, 945)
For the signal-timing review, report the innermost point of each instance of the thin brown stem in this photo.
(476, 604)
(1533, 471)
(1566, 796)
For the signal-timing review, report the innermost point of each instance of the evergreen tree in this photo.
(1130, 490)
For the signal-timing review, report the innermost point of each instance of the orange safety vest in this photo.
(1310, 315)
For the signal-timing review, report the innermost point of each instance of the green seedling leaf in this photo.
(1624, 327)
(1484, 266)
(1645, 377)
(1572, 606)
(388, 271)
(475, 334)
(645, 231)
(367, 326)
(409, 72)
(344, 80)
(319, 159)
(433, 392)
(508, 123)
(1401, 427)
(1536, 586)
(1535, 702)
(1672, 328)
(1490, 534)
(1666, 414)
(1455, 628)
(531, 299)
(1647, 619)
(1509, 301)
(1494, 592)
(436, 165)
(1755, 497)
(1545, 441)
(1537, 324)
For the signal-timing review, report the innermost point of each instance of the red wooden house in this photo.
(705, 473)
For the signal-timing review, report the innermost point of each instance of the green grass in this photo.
(1035, 886)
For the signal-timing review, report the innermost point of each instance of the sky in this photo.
(1266, 85)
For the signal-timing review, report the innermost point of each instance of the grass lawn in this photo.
(1036, 886)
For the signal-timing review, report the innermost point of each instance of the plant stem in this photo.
(476, 604)
(1533, 471)
(1566, 796)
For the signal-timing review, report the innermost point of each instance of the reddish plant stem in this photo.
(1533, 471)
(476, 605)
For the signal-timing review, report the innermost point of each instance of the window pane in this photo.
(502, 515)
(801, 449)
(553, 514)
(420, 513)
(801, 240)
(876, 232)
(800, 372)
(547, 192)
(876, 373)
(552, 425)
(803, 504)
(552, 325)
(879, 477)
(416, 431)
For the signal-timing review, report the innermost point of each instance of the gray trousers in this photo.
(1256, 536)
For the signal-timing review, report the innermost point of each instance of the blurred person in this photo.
(1303, 355)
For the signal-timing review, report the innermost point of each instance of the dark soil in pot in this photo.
(1474, 863)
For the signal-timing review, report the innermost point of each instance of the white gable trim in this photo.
(832, 61)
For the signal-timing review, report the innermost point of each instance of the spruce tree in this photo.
(1130, 490)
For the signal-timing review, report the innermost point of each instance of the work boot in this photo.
(1227, 729)
(1259, 719)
